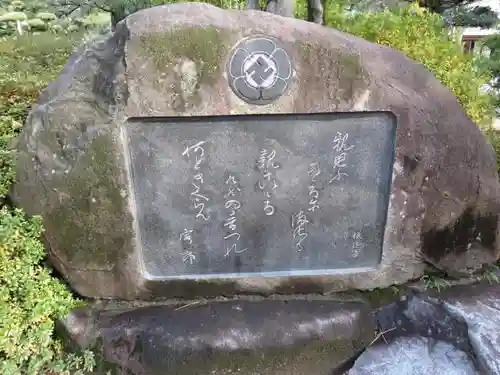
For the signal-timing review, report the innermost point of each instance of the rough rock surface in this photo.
(169, 61)
(416, 356)
(453, 332)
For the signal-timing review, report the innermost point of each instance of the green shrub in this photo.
(8, 127)
(46, 16)
(5, 30)
(31, 299)
(30, 302)
(98, 19)
(17, 5)
(56, 29)
(29, 63)
(13, 17)
(422, 37)
(72, 29)
(36, 24)
(494, 138)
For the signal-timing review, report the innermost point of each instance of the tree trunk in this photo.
(284, 8)
(115, 18)
(19, 28)
(315, 12)
(252, 4)
(123, 9)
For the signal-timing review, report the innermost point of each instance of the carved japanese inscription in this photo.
(261, 194)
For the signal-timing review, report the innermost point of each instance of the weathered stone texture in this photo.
(169, 61)
(232, 338)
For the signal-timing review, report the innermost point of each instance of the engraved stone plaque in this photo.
(260, 195)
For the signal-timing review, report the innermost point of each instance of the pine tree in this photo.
(462, 13)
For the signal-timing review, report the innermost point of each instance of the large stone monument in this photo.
(133, 179)
(199, 153)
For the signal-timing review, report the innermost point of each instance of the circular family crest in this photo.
(259, 69)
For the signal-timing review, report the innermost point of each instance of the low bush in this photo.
(30, 302)
(37, 24)
(31, 299)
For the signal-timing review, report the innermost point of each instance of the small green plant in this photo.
(491, 274)
(435, 282)
(383, 296)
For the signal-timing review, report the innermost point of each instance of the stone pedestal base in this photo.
(456, 331)
(232, 337)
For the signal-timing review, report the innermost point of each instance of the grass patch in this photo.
(435, 282)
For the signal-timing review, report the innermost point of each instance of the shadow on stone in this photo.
(470, 230)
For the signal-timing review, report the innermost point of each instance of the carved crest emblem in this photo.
(259, 69)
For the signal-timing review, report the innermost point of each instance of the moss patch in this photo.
(377, 297)
(207, 47)
(91, 217)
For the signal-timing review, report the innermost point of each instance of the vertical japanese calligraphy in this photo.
(299, 229)
(340, 157)
(313, 173)
(300, 219)
(186, 238)
(357, 244)
(197, 152)
(267, 166)
(244, 196)
(232, 205)
(196, 155)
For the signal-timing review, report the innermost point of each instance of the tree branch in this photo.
(82, 3)
(69, 11)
